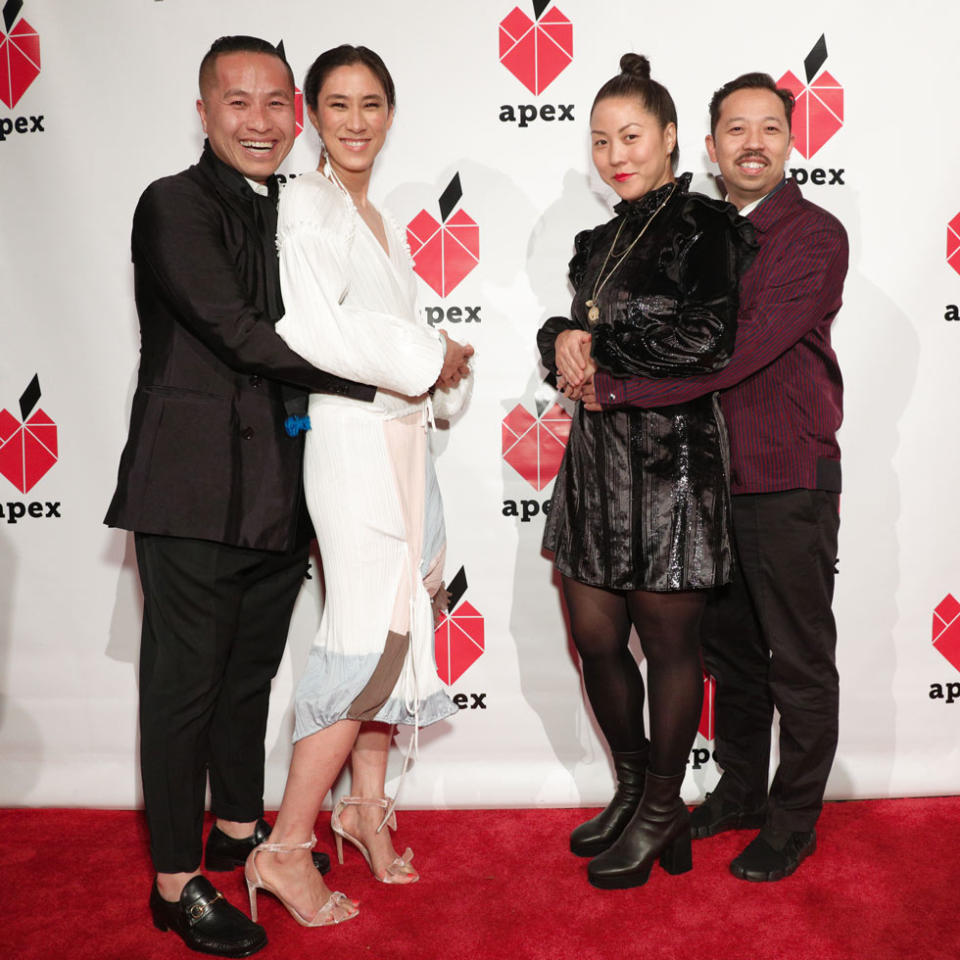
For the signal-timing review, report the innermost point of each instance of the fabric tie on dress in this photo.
(429, 421)
(409, 684)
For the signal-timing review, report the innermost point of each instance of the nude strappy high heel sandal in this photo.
(399, 871)
(324, 917)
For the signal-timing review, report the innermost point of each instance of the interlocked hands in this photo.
(575, 368)
(455, 362)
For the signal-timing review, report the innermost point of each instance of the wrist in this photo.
(607, 389)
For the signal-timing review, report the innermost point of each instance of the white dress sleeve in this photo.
(391, 352)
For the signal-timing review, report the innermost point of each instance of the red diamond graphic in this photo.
(443, 254)
(953, 243)
(458, 642)
(946, 629)
(536, 52)
(19, 61)
(534, 447)
(818, 113)
(27, 451)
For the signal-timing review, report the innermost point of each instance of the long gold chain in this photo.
(593, 311)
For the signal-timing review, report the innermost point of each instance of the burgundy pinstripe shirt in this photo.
(782, 390)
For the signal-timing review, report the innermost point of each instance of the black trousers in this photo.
(215, 620)
(769, 639)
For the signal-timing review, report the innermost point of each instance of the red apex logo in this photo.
(534, 446)
(536, 51)
(19, 54)
(458, 638)
(946, 629)
(953, 243)
(28, 449)
(297, 95)
(444, 253)
(708, 727)
(818, 113)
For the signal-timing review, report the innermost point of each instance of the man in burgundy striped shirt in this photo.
(770, 637)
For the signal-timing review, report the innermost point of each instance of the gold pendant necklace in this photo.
(593, 311)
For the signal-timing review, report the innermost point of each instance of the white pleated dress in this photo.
(369, 480)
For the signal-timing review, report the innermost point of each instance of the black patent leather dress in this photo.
(642, 499)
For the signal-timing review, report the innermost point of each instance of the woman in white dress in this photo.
(349, 294)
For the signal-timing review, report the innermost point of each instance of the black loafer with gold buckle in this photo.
(206, 921)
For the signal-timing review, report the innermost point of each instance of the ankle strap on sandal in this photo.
(270, 847)
(384, 803)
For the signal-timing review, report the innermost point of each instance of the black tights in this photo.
(669, 628)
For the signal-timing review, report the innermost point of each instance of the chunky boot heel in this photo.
(678, 857)
(597, 834)
(660, 829)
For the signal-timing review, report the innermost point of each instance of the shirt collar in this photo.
(260, 188)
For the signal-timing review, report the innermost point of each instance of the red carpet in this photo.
(883, 885)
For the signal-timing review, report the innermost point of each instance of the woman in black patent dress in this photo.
(639, 521)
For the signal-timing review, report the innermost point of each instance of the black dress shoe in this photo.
(206, 922)
(773, 855)
(225, 853)
(717, 813)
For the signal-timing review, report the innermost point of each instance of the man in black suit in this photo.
(211, 485)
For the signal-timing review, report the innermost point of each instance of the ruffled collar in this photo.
(645, 205)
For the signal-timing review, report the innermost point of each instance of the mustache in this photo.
(753, 155)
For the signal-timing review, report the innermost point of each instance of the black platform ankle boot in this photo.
(659, 828)
(597, 834)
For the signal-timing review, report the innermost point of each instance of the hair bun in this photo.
(635, 65)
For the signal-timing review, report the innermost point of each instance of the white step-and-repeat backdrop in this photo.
(97, 99)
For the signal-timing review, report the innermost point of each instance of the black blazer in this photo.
(207, 455)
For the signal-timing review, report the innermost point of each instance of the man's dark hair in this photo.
(346, 55)
(237, 44)
(749, 81)
(633, 80)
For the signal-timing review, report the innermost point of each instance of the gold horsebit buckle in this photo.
(197, 911)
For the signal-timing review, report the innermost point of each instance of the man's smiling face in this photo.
(751, 144)
(247, 113)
